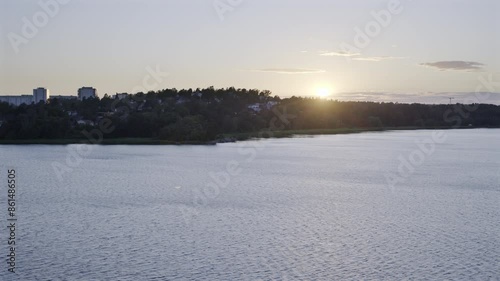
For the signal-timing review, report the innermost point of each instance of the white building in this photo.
(86, 93)
(17, 100)
(40, 94)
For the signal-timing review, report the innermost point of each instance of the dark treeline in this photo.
(207, 114)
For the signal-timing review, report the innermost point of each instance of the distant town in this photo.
(43, 94)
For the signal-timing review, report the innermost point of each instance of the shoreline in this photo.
(226, 138)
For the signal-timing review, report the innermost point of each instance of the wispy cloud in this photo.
(376, 59)
(289, 70)
(357, 56)
(455, 65)
(339, 54)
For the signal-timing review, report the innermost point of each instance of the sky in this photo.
(404, 51)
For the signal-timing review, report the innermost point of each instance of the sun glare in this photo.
(323, 92)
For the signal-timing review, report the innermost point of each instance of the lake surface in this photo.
(364, 206)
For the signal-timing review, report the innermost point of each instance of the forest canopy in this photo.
(207, 114)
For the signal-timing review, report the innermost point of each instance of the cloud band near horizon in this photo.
(455, 65)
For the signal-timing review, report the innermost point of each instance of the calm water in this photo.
(320, 208)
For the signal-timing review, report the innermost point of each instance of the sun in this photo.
(323, 92)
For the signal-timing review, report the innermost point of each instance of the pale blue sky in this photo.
(275, 45)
